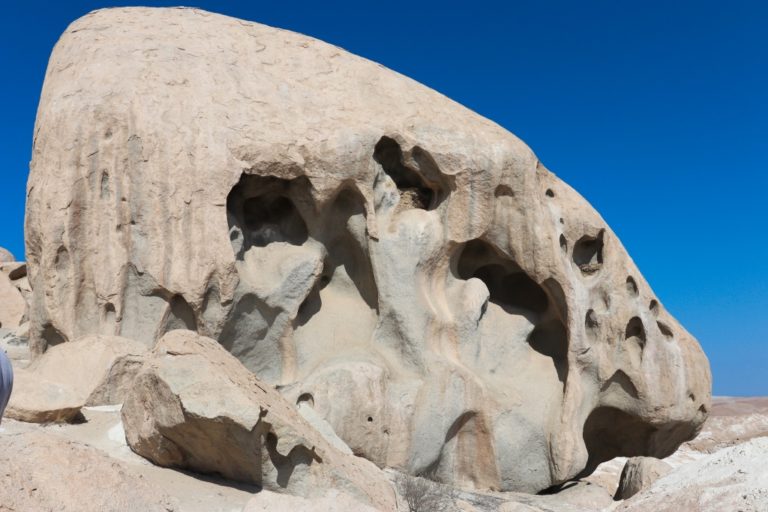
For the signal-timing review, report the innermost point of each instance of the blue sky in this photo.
(657, 112)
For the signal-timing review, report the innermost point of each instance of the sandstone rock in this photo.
(195, 406)
(6, 256)
(93, 371)
(733, 478)
(446, 303)
(13, 307)
(41, 471)
(639, 473)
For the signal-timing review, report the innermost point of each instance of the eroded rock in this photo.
(447, 304)
(195, 406)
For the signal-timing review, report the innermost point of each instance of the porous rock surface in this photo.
(194, 406)
(400, 264)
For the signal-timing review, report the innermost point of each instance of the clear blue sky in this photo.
(657, 112)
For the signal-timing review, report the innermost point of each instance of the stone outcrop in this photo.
(195, 406)
(638, 474)
(96, 370)
(401, 265)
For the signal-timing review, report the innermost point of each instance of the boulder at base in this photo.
(195, 406)
(93, 371)
(639, 473)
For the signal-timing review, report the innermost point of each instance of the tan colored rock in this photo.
(93, 371)
(13, 307)
(639, 473)
(445, 302)
(195, 406)
(41, 471)
(38, 400)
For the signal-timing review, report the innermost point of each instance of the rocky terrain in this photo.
(266, 274)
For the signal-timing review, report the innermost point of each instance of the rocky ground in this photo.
(88, 465)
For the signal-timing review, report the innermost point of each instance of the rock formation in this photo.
(401, 265)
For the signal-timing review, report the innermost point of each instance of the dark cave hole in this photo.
(261, 210)
(516, 293)
(588, 253)
(414, 189)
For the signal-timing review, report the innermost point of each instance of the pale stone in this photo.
(93, 371)
(195, 406)
(38, 400)
(733, 478)
(639, 473)
(447, 304)
(13, 307)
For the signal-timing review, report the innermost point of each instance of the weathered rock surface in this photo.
(195, 406)
(734, 478)
(404, 266)
(41, 471)
(638, 474)
(93, 371)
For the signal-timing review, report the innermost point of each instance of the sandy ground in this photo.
(103, 430)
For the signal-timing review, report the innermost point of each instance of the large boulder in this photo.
(95, 370)
(195, 406)
(445, 303)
